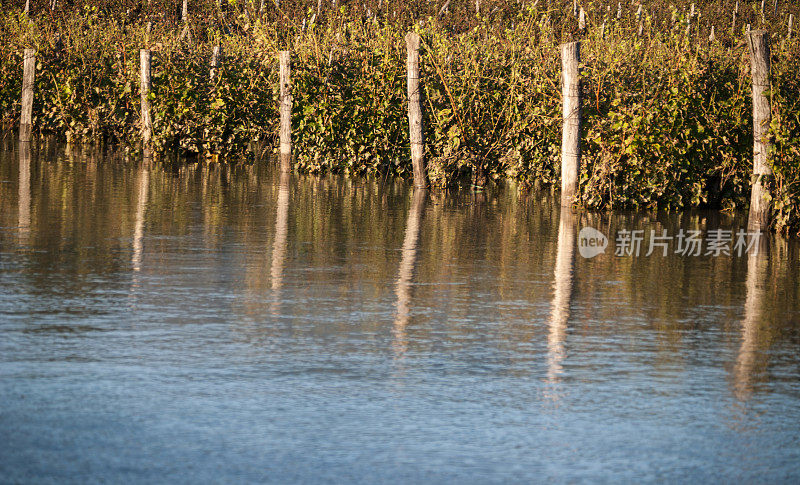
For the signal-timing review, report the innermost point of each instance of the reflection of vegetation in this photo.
(667, 114)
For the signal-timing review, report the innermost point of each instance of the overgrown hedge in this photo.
(667, 115)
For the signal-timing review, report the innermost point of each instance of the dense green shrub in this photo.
(667, 115)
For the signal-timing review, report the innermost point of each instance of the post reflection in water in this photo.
(405, 274)
(756, 288)
(562, 294)
(280, 241)
(141, 207)
(140, 298)
(24, 211)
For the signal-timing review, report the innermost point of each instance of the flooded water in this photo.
(225, 324)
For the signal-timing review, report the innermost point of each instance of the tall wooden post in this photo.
(216, 57)
(415, 111)
(286, 111)
(571, 138)
(144, 79)
(28, 76)
(758, 44)
(184, 11)
(791, 21)
(735, 14)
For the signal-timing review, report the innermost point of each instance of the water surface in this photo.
(226, 324)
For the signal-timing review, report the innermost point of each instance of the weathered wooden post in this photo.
(144, 79)
(639, 21)
(286, 111)
(415, 111)
(28, 76)
(735, 14)
(758, 44)
(791, 21)
(216, 56)
(582, 20)
(184, 11)
(27, 7)
(571, 137)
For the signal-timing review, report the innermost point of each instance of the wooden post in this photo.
(758, 44)
(735, 13)
(582, 20)
(571, 138)
(619, 10)
(27, 7)
(415, 111)
(184, 11)
(791, 21)
(28, 76)
(286, 111)
(442, 10)
(144, 78)
(216, 56)
(712, 36)
(640, 21)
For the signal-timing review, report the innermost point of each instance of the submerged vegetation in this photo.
(667, 106)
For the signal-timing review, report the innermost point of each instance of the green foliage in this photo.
(667, 115)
